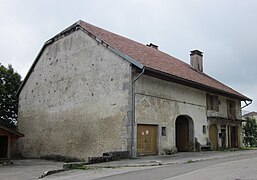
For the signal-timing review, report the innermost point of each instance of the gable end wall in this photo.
(76, 101)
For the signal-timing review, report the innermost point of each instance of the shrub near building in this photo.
(250, 132)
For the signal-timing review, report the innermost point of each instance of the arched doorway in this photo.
(184, 134)
(213, 135)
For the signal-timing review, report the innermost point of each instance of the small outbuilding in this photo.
(7, 138)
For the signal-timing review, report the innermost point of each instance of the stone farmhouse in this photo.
(91, 92)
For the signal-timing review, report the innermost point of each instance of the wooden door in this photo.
(3, 146)
(146, 139)
(182, 134)
(213, 135)
(234, 143)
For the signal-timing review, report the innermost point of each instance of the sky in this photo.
(225, 31)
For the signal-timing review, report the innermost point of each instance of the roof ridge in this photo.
(157, 59)
(142, 56)
(119, 35)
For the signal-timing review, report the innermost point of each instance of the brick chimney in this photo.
(196, 60)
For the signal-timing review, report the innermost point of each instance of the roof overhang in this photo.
(168, 77)
(11, 131)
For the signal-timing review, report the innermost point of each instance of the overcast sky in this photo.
(225, 30)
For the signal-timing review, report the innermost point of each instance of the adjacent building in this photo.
(8, 139)
(90, 91)
(252, 115)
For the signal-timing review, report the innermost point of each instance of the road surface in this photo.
(242, 167)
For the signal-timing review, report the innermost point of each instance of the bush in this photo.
(250, 132)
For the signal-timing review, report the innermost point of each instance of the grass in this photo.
(85, 167)
(243, 148)
(248, 148)
(191, 161)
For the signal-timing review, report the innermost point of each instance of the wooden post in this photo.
(9, 147)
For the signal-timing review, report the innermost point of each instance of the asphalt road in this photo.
(242, 167)
(27, 169)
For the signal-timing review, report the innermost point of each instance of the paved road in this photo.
(242, 167)
(27, 169)
(220, 165)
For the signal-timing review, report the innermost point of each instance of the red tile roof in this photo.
(148, 57)
(157, 60)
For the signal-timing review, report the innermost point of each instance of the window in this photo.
(204, 129)
(212, 102)
(163, 131)
(231, 109)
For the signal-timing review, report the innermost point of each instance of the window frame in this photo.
(212, 102)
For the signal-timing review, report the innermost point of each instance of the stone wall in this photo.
(76, 101)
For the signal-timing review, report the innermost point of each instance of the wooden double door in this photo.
(146, 139)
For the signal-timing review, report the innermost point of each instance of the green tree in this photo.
(9, 84)
(250, 132)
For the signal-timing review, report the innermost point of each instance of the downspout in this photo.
(133, 144)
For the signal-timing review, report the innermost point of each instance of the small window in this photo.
(231, 104)
(212, 102)
(204, 129)
(163, 131)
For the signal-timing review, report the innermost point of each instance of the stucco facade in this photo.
(76, 101)
(159, 102)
